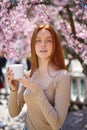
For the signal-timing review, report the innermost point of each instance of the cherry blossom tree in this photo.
(18, 18)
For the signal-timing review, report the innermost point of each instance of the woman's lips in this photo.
(43, 51)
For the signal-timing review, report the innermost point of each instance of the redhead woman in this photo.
(46, 88)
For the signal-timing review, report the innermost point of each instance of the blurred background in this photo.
(18, 18)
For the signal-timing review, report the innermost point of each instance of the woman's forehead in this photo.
(44, 32)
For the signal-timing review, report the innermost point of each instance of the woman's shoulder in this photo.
(62, 74)
(62, 77)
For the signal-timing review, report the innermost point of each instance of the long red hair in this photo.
(56, 58)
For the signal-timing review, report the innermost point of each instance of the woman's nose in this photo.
(43, 43)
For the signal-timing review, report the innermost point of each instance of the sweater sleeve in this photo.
(16, 102)
(57, 114)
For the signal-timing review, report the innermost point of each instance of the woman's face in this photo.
(44, 44)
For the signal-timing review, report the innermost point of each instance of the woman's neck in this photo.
(43, 66)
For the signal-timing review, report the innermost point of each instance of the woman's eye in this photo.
(49, 41)
(38, 41)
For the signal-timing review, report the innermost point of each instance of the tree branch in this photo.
(71, 20)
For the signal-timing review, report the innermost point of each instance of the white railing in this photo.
(78, 88)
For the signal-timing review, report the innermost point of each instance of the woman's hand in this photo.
(25, 81)
(30, 83)
(10, 79)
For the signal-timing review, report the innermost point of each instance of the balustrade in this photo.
(79, 88)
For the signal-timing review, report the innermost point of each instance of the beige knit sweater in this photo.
(46, 109)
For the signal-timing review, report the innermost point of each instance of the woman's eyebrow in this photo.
(46, 37)
(49, 37)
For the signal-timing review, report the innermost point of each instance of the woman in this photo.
(46, 90)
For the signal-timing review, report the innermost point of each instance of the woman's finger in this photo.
(9, 75)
